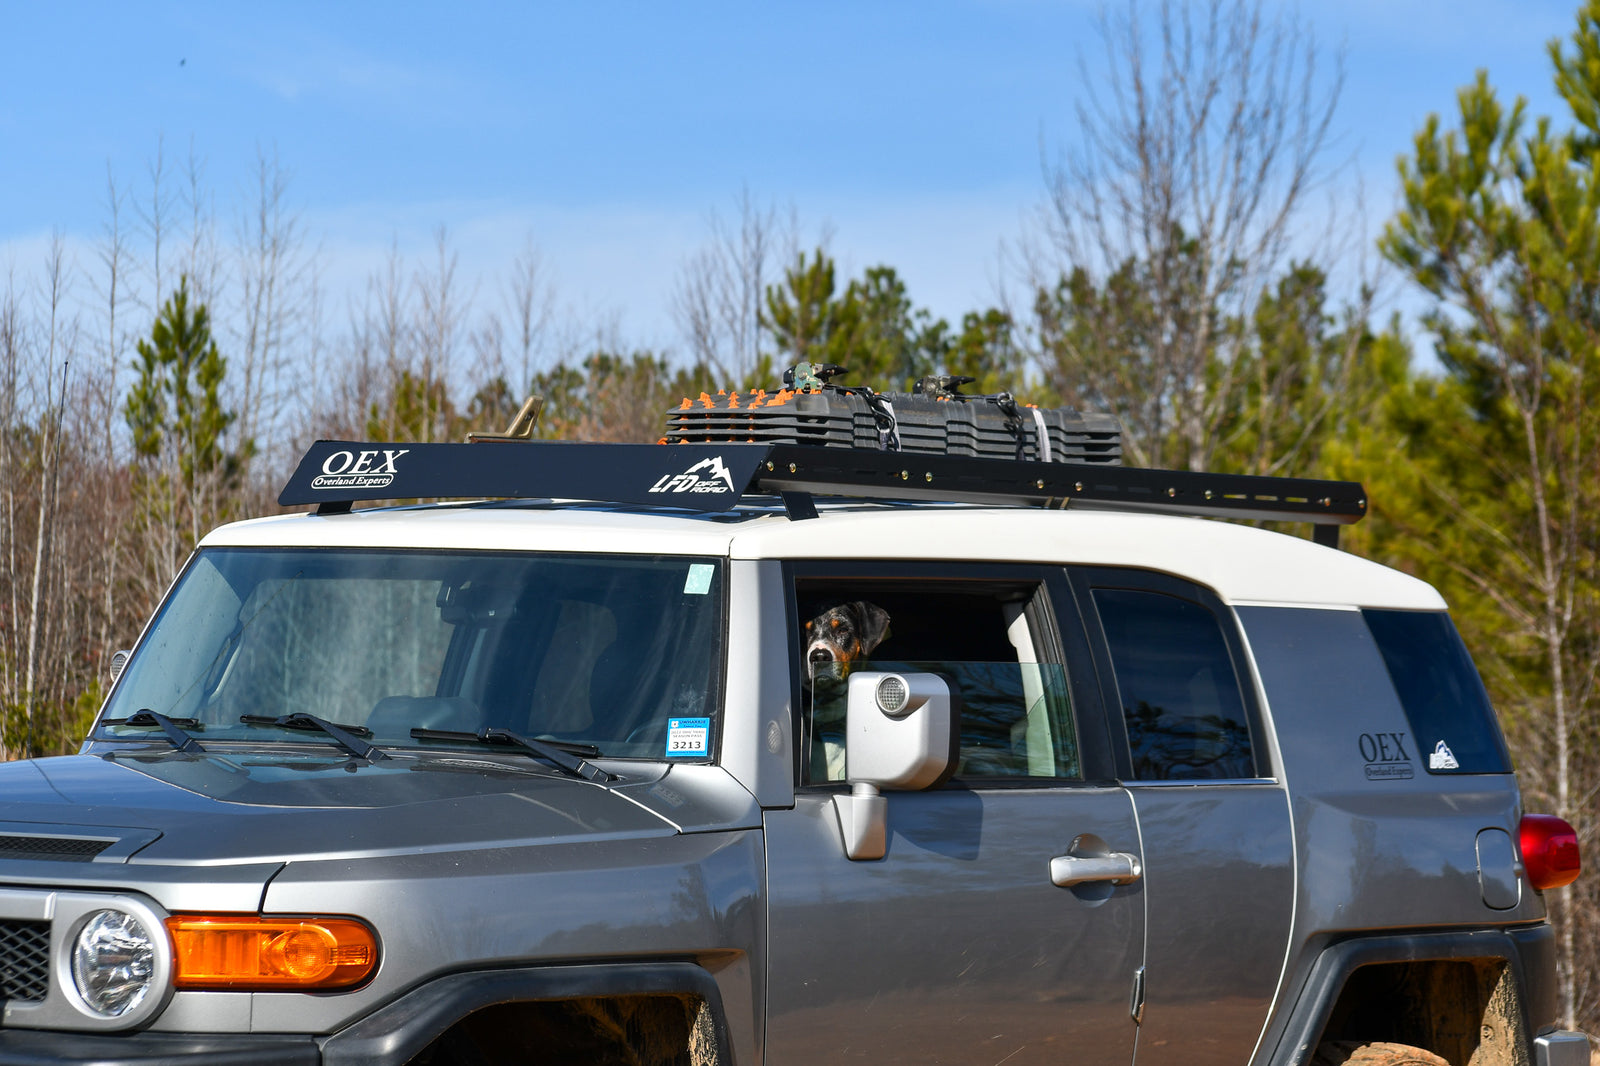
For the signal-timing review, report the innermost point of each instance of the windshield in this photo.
(609, 651)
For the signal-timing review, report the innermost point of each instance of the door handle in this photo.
(1118, 867)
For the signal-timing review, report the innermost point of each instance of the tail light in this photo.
(1549, 850)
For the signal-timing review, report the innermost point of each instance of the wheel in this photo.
(1350, 1053)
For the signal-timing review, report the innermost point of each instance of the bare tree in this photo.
(403, 348)
(155, 216)
(393, 336)
(718, 298)
(116, 260)
(442, 309)
(49, 463)
(316, 376)
(11, 345)
(1192, 165)
(104, 393)
(375, 353)
(273, 275)
(531, 298)
(201, 261)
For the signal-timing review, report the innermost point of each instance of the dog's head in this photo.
(843, 633)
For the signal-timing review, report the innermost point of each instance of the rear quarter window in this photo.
(1441, 692)
(1181, 701)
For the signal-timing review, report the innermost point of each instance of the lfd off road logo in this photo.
(708, 475)
(367, 469)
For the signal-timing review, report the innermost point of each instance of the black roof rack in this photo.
(714, 477)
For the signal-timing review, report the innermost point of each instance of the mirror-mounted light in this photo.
(893, 697)
(119, 659)
(900, 734)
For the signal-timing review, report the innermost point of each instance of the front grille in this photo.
(58, 849)
(24, 960)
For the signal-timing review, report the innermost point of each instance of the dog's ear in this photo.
(874, 625)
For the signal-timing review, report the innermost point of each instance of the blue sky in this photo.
(910, 131)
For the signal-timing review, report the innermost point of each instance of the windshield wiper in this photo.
(566, 756)
(176, 729)
(347, 737)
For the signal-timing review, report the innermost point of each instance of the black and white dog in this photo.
(842, 633)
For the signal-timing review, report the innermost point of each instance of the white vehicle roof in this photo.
(1242, 564)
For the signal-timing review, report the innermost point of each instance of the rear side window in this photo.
(1441, 692)
(1180, 697)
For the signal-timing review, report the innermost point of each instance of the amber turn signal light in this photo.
(245, 953)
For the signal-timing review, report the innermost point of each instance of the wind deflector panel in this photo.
(713, 477)
(1020, 483)
(698, 478)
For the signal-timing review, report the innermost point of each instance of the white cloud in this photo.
(314, 68)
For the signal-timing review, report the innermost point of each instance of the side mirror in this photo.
(119, 659)
(899, 734)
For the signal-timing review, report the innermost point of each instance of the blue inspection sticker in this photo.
(688, 736)
(698, 583)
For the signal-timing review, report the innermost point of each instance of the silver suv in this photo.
(703, 771)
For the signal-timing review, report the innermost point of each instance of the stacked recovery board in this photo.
(992, 427)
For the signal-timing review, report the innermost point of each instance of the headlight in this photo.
(113, 963)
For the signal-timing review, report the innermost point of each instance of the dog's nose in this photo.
(821, 655)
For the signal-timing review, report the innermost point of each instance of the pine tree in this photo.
(176, 402)
(985, 350)
(871, 328)
(804, 317)
(185, 475)
(1500, 224)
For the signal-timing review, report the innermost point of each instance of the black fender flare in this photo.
(398, 1030)
(1526, 951)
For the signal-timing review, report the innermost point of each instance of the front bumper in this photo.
(1561, 1048)
(390, 1036)
(37, 1047)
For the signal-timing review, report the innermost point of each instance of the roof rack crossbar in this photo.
(712, 478)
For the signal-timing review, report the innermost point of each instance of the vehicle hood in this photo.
(272, 806)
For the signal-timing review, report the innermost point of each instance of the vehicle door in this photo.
(1214, 819)
(957, 946)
